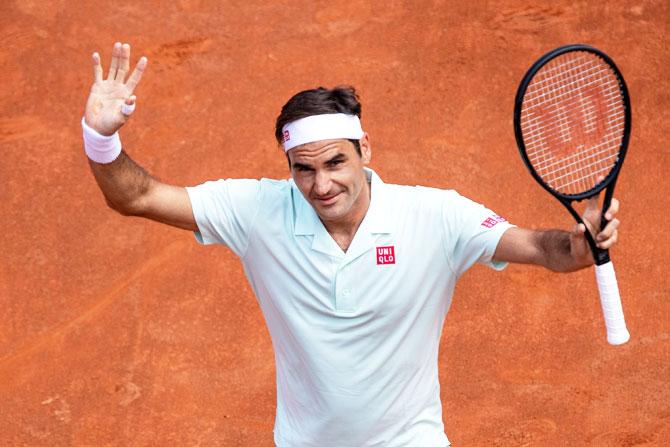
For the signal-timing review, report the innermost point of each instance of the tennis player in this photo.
(354, 276)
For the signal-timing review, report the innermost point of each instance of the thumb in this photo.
(592, 211)
(591, 215)
(592, 205)
(577, 232)
(579, 247)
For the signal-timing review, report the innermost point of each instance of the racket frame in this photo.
(601, 256)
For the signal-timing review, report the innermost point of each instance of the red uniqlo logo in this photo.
(287, 136)
(492, 221)
(385, 255)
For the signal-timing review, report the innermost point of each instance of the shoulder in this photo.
(446, 205)
(274, 187)
(422, 197)
(413, 207)
(240, 190)
(273, 191)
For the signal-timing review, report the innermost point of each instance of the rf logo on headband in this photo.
(287, 136)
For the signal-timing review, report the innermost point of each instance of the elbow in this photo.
(125, 211)
(124, 208)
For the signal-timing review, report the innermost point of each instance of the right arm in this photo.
(127, 187)
(131, 191)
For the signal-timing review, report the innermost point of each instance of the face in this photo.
(330, 176)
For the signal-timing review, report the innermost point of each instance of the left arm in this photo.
(558, 250)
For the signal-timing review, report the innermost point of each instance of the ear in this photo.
(366, 148)
(288, 159)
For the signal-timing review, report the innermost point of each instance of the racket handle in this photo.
(617, 333)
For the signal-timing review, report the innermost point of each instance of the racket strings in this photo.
(564, 84)
(572, 121)
(560, 90)
(593, 160)
(546, 162)
(556, 80)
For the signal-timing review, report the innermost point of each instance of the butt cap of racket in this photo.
(610, 300)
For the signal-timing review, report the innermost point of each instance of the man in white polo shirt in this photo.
(354, 276)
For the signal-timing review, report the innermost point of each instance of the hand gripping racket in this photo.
(572, 123)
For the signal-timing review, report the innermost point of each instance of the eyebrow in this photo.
(338, 157)
(300, 166)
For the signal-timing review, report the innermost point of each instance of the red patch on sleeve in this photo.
(492, 221)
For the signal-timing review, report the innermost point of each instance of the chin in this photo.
(330, 213)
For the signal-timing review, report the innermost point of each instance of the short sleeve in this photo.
(473, 232)
(225, 211)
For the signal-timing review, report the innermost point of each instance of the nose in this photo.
(321, 183)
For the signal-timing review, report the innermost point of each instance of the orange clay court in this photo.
(119, 331)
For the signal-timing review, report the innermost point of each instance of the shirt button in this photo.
(346, 292)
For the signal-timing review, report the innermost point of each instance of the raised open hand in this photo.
(103, 107)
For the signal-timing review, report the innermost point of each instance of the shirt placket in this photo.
(345, 296)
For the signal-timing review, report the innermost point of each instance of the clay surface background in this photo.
(117, 331)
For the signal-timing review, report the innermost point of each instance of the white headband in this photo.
(330, 126)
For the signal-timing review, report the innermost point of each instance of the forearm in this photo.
(123, 183)
(555, 251)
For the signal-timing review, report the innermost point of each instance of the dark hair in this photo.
(319, 101)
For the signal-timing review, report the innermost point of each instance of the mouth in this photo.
(328, 200)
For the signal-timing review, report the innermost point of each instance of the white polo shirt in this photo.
(355, 334)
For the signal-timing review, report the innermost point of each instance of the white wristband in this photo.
(100, 148)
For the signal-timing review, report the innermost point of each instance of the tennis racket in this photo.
(572, 123)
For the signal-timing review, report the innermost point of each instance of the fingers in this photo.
(137, 74)
(612, 210)
(124, 63)
(97, 68)
(609, 236)
(113, 67)
(118, 69)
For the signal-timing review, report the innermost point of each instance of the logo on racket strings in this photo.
(572, 122)
(386, 255)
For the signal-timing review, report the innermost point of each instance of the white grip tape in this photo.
(100, 148)
(617, 333)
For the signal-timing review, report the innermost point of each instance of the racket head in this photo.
(572, 121)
